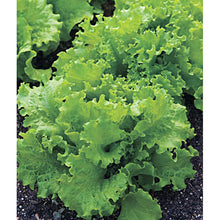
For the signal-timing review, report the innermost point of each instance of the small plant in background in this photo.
(41, 24)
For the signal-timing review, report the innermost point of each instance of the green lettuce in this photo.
(90, 191)
(37, 29)
(97, 143)
(71, 12)
(160, 41)
(108, 127)
(41, 24)
(40, 165)
(141, 201)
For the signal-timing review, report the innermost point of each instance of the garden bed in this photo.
(186, 204)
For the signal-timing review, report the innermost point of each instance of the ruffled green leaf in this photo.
(37, 165)
(140, 174)
(174, 171)
(104, 139)
(57, 145)
(162, 123)
(40, 19)
(139, 205)
(75, 112)
(77, 71)
(22, 58)
(41, 75)
(71, 12)
(199, 96)
(41, 106)
(87, 191)
(173, 86)
(37, 29)
(23, 36)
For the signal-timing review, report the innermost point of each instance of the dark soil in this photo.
(186, 204)
(108, 8)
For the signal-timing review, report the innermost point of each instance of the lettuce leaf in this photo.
(142, 174)
(40, 106)
(41, 23)
(162, 123)
(159, 41)
(71, 12)
(139, 205)
(174, 171)
(37, 29)
(37, 165)
(105, 142)
(88, 191)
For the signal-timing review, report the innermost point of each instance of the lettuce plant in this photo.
(101, 145)
(109, 126)
(160, 41)
(41, 24)
(37, 29)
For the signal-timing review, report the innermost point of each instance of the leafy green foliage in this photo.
(71, 12)
(109, 126)
(37, 29)
(161, 41)
(143, 203)
(41, 24)
(92, 192)
(40, 165)
(100, 140)
(164, 168)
